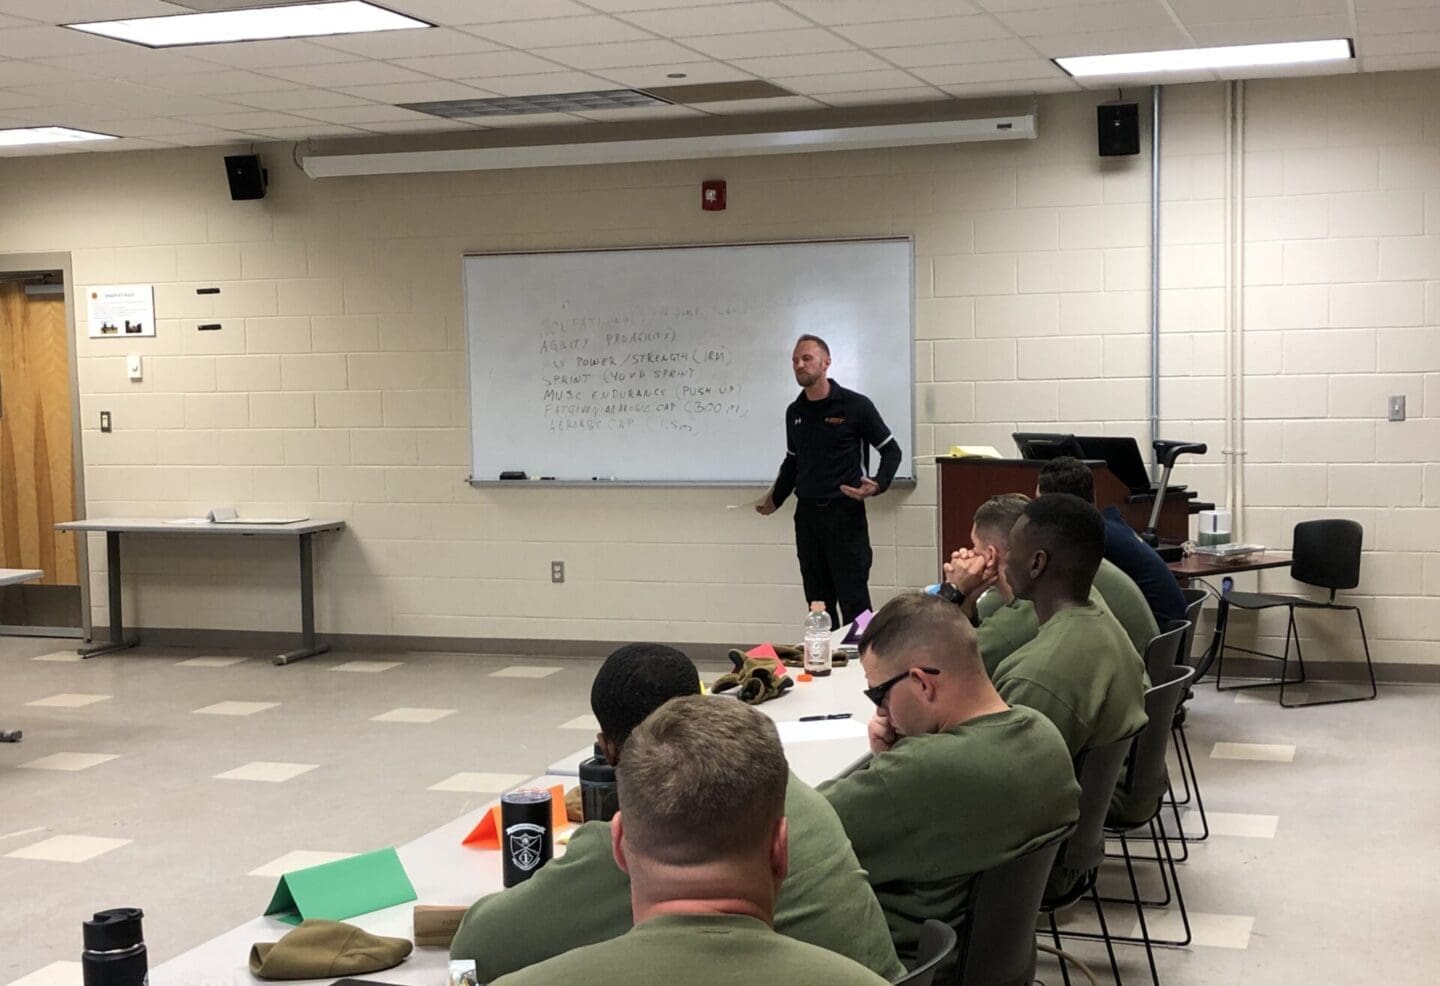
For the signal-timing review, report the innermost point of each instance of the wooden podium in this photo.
(967, 483)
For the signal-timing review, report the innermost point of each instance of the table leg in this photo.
(308, 646)
(118, 640)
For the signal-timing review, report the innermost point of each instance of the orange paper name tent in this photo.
(766, 650)
(486, 835)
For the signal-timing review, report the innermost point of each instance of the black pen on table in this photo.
(832, 715)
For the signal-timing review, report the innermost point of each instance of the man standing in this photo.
(827, 433)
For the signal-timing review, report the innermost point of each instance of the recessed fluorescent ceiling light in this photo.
(1192, 59)
(305, 20)
(47, 135)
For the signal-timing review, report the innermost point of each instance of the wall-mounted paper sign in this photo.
(120, 310)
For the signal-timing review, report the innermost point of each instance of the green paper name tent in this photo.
(342, 889)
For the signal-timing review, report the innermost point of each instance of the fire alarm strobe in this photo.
(712, 195)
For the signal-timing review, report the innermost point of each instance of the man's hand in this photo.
(867, 487)
(968, 571)
(765, 507)
(882, 733)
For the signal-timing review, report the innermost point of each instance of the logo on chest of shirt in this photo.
(834, 421)
(799, 420)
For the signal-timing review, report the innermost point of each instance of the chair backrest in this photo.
(1163, 651)
(937, 944)
(1326, 553)
(1145, 779)
(1187, 642)
(997, 945)
(1192, 593)
(1098, 771)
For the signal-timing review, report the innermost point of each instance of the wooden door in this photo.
(37, 476)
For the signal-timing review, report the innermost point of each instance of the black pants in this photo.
(832, 541)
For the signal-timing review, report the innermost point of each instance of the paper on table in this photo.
(189, 522)
(261, 520)
(795, 731)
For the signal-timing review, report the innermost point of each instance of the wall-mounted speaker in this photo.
(1117, 125)
(247, 178)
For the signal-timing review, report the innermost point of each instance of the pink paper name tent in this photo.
(342, 889)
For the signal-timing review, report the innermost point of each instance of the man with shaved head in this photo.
(960, 782)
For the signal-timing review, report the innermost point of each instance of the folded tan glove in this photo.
(758, 679)
(321, 949)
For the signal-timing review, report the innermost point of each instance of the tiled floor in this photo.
(1320, 869)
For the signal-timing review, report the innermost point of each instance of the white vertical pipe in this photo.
(1238, 505)
(1154, 270)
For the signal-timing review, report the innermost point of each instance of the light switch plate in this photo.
(1397, 408)
(132, 366)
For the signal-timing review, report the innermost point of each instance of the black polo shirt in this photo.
(825, 444)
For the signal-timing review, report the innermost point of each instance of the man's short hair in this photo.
(1067, 474)
(1072, 532)
(997, 515)
(919, 628)
(807, 337)
(703, 779)
(636, 680)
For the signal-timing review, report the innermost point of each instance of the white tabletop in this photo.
(14, 576)
(163, 525)
(443, 871)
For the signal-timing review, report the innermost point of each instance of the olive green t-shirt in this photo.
(931, 812)
(1128, 605)
(697, 950)
(1083, 673)
(582, 898)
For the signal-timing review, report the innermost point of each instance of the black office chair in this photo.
(1189, 780)
(1163, 651)
(937, 943)
(1325, 554)
(1098, 771)
(997, 943)
(1144, 784)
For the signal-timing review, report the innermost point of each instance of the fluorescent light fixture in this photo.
(1021, 127)
(47, 135)
(1200, 59)
(304, 20)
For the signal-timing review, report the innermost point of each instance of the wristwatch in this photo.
(949, 592)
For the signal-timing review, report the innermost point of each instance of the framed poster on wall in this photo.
(120, 310)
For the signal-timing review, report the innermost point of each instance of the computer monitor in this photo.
(1122, 455)
(1046, 445)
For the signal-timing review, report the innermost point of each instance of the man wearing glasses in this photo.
(960, 781)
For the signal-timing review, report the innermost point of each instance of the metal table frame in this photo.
(304, 531)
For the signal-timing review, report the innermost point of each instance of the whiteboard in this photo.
(673, 365)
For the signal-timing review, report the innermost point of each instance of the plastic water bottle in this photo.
(817, 640)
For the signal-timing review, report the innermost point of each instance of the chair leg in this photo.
(1189, 766)
(1179, 900)
(1140, 911)
(1180, 833)
(1369, 667)
(1105, 933)
(1055, 934)
(1175, 731)
(1284, 660)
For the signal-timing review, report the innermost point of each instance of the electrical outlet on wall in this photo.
(105, 421)
(557, 571)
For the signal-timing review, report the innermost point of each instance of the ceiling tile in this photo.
(70, 11)
(847, 81)
(270, 54)
(10, 98)
(366, 113)
(44, 42)
(615, 6)
(587, 57)
(344, 74)
(297, 99)
(1402, 63)
(1209, 11)
(480, 63)
(761, 107)
(915, 94)
(870, 11)
(1272, 29)
(522, 120)
(554, 32)
(540, 84)
(417, 92)
(997, 50)
(1385, 44)
(308, 132)
(688, 22)
(407, 44)
(130, 61)
(487, 11)
(1028, 68)
(427, 125)
(622, 114)
(1106, 42)
(980, 27)
(155, 126)
(203, 137)
(221, 83)
(763, 43)
(696, 73)
(1088, 18)
(251, 120)
(6, 20)
(1019, 87)
(1399, 21)
(823, 64)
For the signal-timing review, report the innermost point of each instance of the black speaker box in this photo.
(1117, 125)
(247, 178)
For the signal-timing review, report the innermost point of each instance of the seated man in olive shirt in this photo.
(1081, 670)
(702, 835)
(582, 897)
(960, 781)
